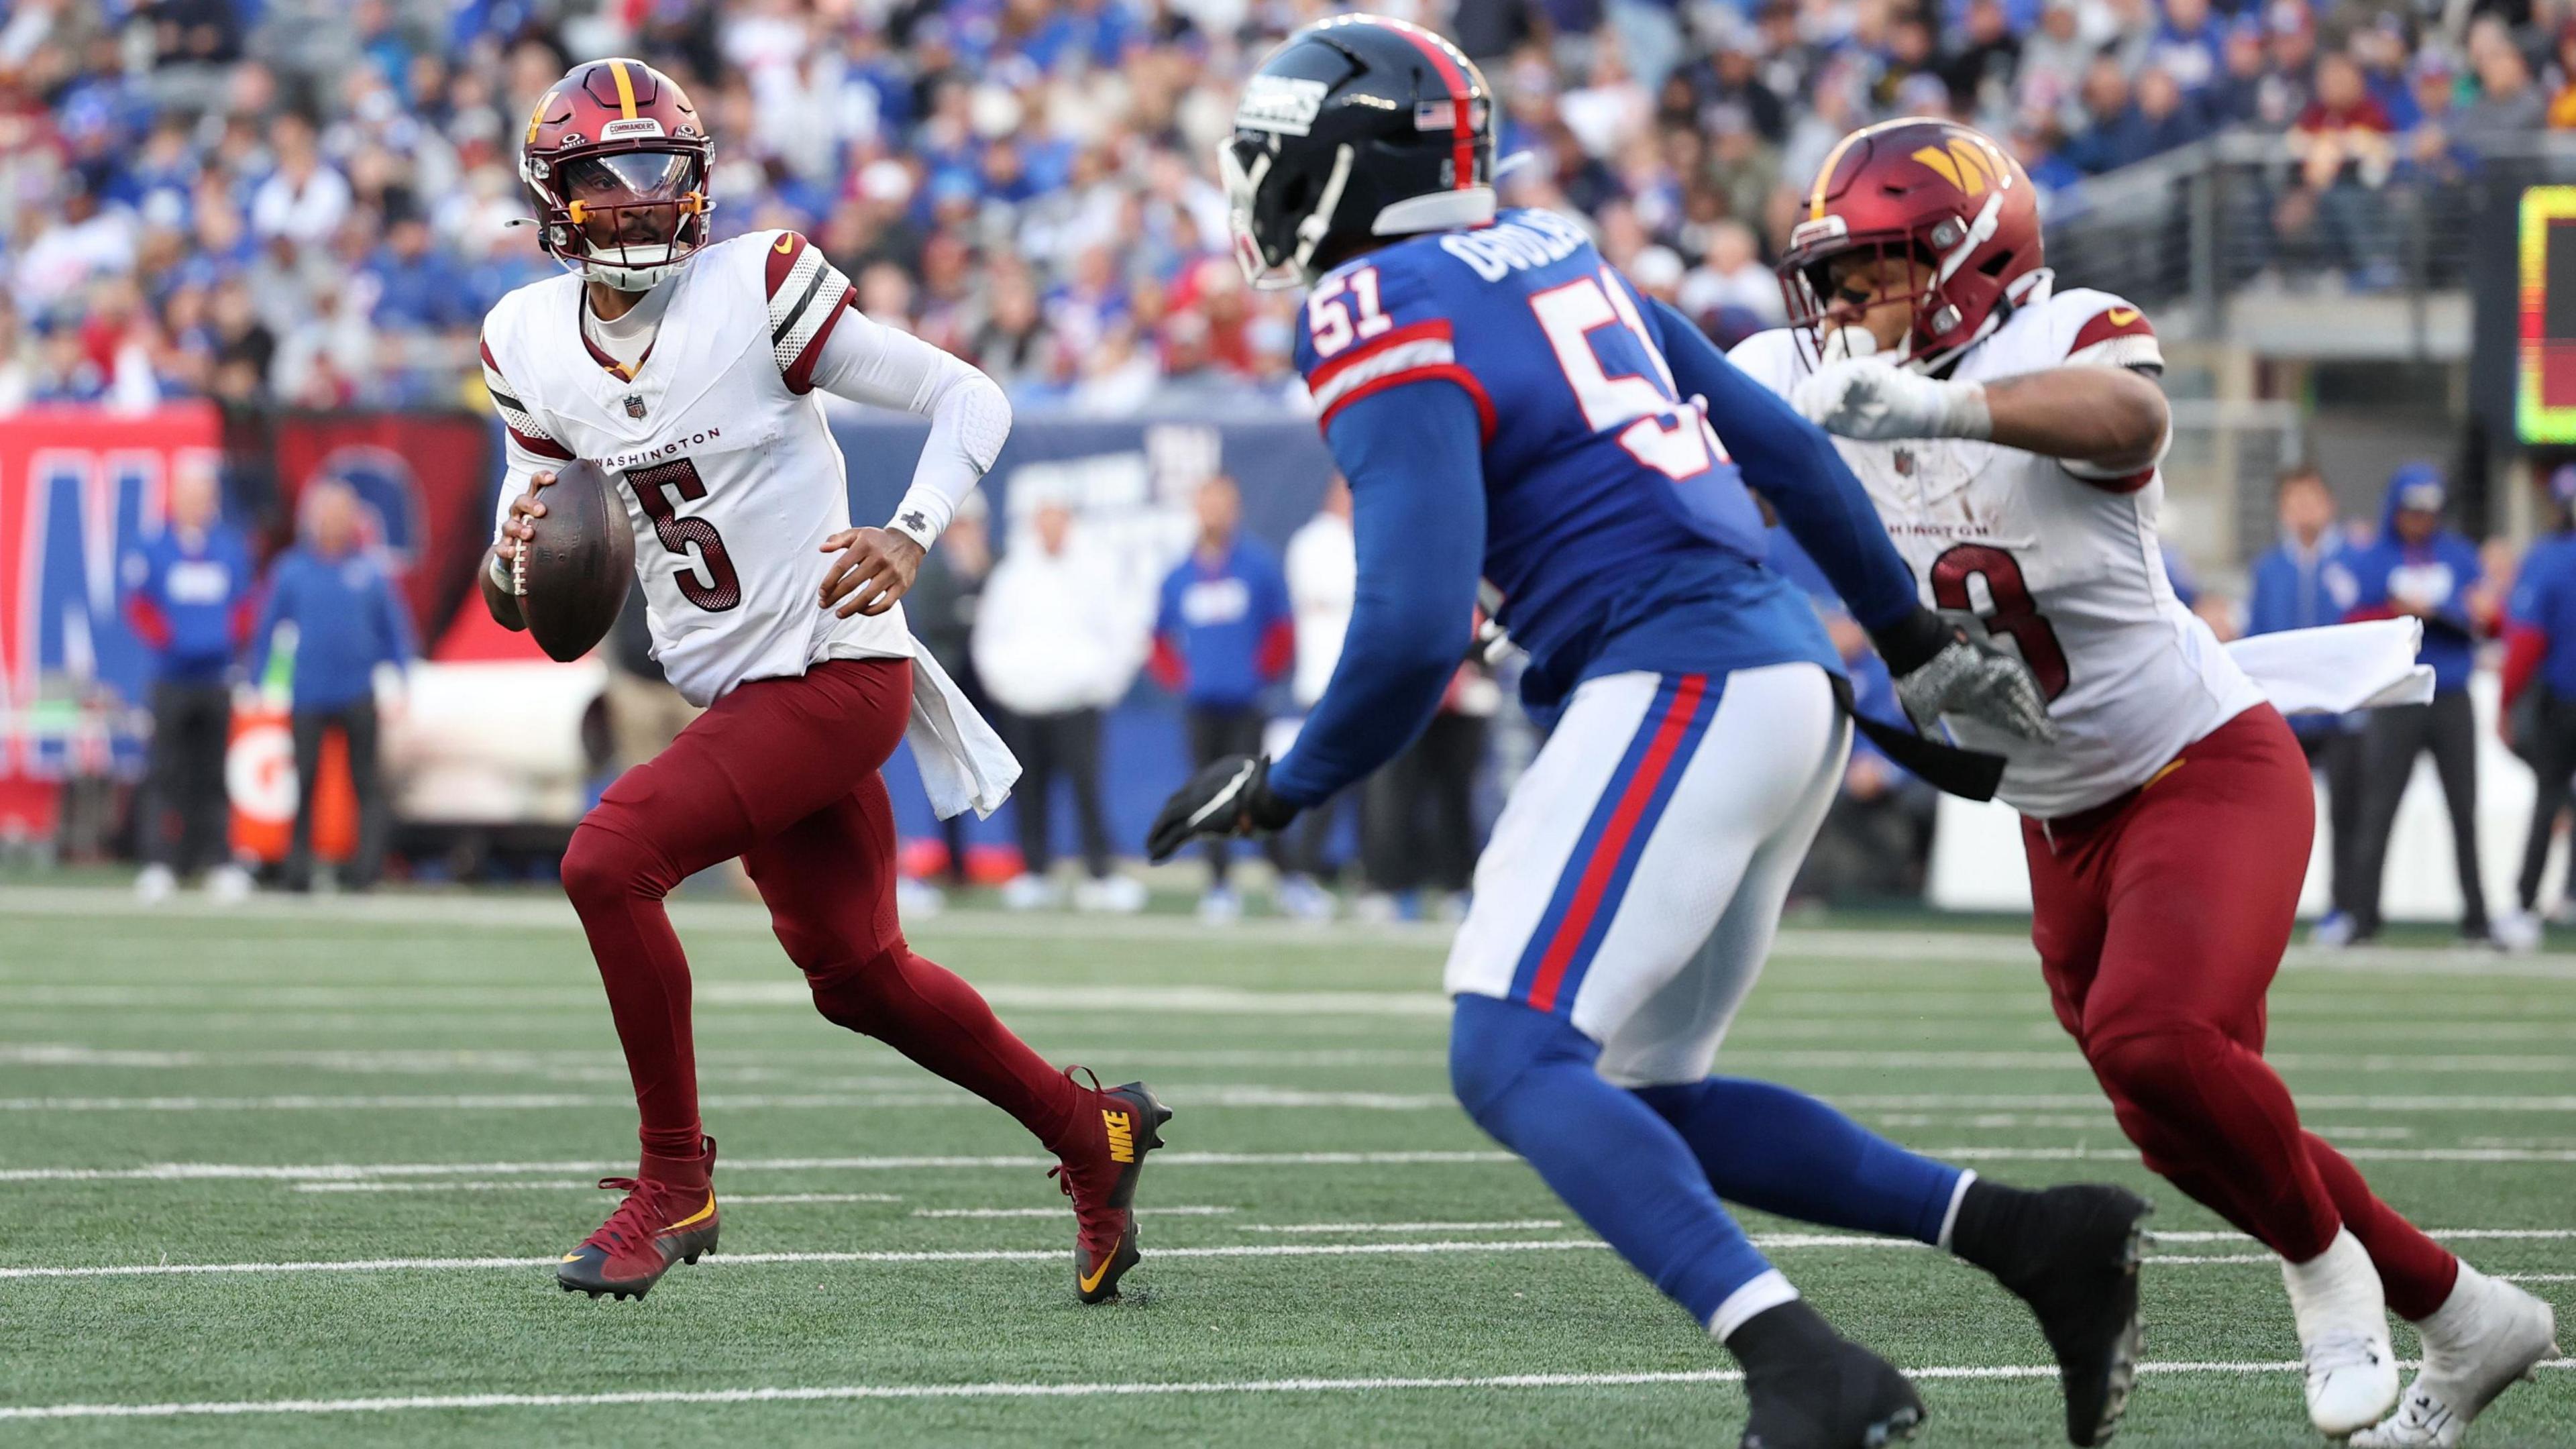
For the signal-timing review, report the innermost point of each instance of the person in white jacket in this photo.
(1323, 579)
(1053, 665)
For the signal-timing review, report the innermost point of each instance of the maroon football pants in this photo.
(2160, 919)
(783, 773)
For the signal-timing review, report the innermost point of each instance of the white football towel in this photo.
(2339, 667)
(962, 761)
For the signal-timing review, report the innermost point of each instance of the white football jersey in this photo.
(729, 474)
(2063, 569)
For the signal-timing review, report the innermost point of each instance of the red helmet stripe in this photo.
(1462, 128)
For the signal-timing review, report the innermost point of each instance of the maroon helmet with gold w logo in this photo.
(1930, 190)
(616, 159)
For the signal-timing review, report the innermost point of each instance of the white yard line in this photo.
(1766, 1241)
(2357, 1154)
(1522, 1225)
(845, 1392)
(1185, 1210)
(928, 1093)
(2308, 1102)
(362, 1171)
(739, 1198)
(943, 1255)
(359, 1171)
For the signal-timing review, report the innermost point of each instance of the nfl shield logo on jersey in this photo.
(635, 404)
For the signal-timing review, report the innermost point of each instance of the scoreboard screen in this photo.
(2545, 396)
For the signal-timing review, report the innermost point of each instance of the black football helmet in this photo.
(1358, 126)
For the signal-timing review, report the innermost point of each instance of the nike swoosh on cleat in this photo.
(701, 1214)
(1092, 1282)
(572, 1257)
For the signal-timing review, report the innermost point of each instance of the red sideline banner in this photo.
(424, 485)
(78, 487)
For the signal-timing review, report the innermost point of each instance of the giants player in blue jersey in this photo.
(1506, 405)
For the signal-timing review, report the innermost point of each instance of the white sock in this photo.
(1950, 1219)
(2452, 1321)
(2337, 1287)
(1764, 1293)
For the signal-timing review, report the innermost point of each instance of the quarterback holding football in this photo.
(685, 369)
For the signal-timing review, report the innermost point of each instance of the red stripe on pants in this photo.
(2160, 923)
(1614, 841)
(783, 773)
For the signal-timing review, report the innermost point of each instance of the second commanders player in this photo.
(686, 369)
(2009, 432)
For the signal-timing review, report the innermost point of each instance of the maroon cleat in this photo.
(669, 1216)
(1116, 1128)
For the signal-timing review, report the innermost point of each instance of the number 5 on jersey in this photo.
(709, 581)
(1653, 425)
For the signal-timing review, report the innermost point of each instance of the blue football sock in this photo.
(1526, 1077)
(1784, 1152)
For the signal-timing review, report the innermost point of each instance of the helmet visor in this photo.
(630, 178)
(631, 206)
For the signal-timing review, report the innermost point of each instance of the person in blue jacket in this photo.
(2306, 582)
(348, 619)
(2540, 694)
(1224, 633)
(188, 597)
(2419, 566)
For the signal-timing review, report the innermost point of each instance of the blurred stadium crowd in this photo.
(302, 202)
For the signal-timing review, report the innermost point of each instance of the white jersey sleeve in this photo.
(970, 419)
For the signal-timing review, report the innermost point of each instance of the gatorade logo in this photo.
(1122, 1136)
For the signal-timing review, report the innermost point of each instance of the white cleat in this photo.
(1025, 892)
(2515, 932)
(228, 885)
(2342, 1314)
(1115, 895)
(155, 884)
(2482, 1338)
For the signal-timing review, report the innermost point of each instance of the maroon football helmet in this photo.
(1930, 190)
(616, 160)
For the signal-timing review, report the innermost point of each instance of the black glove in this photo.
(1230, 796)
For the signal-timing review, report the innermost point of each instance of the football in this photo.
(577, 569)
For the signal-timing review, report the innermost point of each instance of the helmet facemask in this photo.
(628, 219)
(1296, 224)
(1824, 247)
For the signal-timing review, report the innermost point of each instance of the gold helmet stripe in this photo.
(625, 89)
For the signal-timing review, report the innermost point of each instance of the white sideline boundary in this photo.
(1770, 1242)
(937, 1255)
(361, 1171)
(846, 1392)
(366, 1171)
(453, 910)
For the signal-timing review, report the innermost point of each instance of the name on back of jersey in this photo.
(1524, 240)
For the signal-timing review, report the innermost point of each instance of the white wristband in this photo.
(1964, 413)
(922, 516)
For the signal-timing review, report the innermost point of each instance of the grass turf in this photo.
(382, 1052)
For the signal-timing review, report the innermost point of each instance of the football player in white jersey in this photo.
(685, 369)
(2010, 432)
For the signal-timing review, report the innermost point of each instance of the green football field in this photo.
(296, 1174)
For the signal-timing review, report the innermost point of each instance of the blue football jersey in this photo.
(1618, 531)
